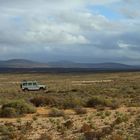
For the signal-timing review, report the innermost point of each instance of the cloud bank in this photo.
(82, 30)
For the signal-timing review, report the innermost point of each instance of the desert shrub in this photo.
(101, 101)
(101, 114)
(121, 118)
(96, 101)
(114, 104)
(16, 108)
(5, 130)
(106, 130)
(54, 112)
(98, 134)
(45, 136)
(134, 102)
(116, 137)
(86, 128)
(72, 102)
(80, 110)
(68, 124)
(107, 113)
(137, 121)
(74, 90)
(8, 112)
(38, 101)
(34, 118)
(91, 135)
(3, 101)
(43, 101)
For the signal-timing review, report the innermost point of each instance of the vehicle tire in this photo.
(25, 90)
(41, 89)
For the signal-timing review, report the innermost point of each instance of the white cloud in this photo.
(69, 28)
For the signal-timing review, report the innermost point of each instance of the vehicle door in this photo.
(30, 86)
(35, 86)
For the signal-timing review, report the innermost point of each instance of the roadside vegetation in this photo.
(16, 108)
(102, 106)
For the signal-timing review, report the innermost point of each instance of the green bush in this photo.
(16, 108)
(101, 101)
(121, 118)
(137, 121)
(5, 130)
(107, 113)
(8, 112)
(72, 102)
(96, 101)
(114, 104)
(43, 101)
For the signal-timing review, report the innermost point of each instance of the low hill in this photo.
(69, 64)
(21, 63)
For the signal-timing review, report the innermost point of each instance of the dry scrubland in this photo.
(103, 106)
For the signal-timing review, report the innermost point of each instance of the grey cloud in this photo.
(51, 30)
(131, 9)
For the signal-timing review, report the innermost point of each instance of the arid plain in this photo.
(75, 106)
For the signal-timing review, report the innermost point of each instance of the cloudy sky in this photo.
(72, 30)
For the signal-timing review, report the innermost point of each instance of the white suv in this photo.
(31, 86)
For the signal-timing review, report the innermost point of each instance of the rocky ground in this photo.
(122, 123)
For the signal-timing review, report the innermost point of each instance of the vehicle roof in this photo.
(25, 81)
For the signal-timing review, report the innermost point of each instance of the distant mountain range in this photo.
(68, 64)
(23, 63)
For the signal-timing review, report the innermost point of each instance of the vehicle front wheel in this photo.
(25, 90)
(42, 89)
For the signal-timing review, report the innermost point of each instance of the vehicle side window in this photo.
(29, 84)
(34, 84)
(24, 84)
